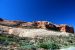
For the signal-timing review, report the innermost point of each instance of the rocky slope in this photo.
(33, 29)
(35, 32)
(35, 35)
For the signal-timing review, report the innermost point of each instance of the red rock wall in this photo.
(66, 28)
(39, 24)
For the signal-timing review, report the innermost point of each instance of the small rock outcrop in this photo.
(51, 27)
(26, 24)
(41, 24)
(66, 28)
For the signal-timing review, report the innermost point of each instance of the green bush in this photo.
(48, 42)
(47, 45)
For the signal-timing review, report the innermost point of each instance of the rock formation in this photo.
(37, 24)
(41, 24)
(66, 28)
(51, 26)
(26, 24)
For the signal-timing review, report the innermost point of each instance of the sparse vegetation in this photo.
(49, 42)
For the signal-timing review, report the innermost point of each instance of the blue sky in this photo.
(56, 11)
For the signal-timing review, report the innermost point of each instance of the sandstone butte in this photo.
(36, 24)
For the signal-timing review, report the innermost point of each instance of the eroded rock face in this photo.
(66, 28)
(37, 24)
(47, 25)
(41, 24)
(27, 24)
(51, 27)
(8, 23)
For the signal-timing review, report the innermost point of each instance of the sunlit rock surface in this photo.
(33, 29)
(37, 24)
(35, 32)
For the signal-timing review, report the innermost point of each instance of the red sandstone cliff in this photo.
(38, 24)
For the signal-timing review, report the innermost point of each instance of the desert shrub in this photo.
(26, 44)
(49, 45)
(48, 42)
